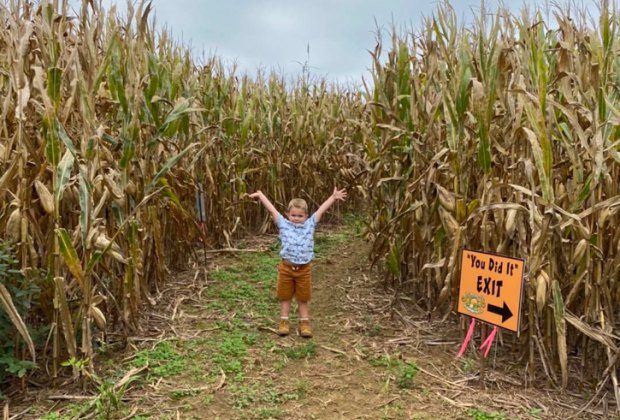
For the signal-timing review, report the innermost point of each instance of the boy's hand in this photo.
(256, 194)
(339, 194)
(336, 195)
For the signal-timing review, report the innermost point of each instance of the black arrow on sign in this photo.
(505, 312)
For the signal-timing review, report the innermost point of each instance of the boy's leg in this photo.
(304, 319)
(285, 290)
(303, 294)
(285, 308)
(304, 310)
(284, 324)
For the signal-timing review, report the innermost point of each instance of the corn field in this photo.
(109, 130)
(502, 136)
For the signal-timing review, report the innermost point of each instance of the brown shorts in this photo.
(294, 281)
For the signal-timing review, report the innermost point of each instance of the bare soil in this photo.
(371, 357)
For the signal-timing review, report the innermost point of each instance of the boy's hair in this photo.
(300, 203)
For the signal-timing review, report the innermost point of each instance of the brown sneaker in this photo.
(283, 327)
(304, 328)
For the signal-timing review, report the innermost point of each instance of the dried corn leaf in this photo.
(61, 305)
(70, 256)
(16, 319)
(63, 173)
(560, 328)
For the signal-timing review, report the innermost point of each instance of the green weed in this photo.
(301, 388)
(24, 291)
(263, 269)
(276, 397)
(469, 365)
(226, 275)
(215, 306)
(72, 411)
(477, 414)
(354, 223)
(244, 397)
(251, 282)
(393, 410)
(251, 395)
(406, 372)
(208, 400)
(302, 351)
(54, 416)
(382, 361)
(236, 292)
(325, 243)
(163, 360)
(110, 400)
(271, 413)
(535, 412)
(183, 393)
(233, 346)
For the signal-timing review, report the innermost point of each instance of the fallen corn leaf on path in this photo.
(209, 350)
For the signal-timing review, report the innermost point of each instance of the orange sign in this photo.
(490, 288)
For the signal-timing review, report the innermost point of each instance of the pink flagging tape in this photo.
(470, 332)
(488, 343)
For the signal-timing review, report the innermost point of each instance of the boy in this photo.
(297, 241)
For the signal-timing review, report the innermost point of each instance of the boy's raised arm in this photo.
(263, 199)
(336, 195)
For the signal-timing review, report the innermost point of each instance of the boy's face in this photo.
(297, 215)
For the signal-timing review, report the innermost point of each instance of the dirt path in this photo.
(210, 351)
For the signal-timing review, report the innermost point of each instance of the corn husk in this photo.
(510, 222)
(542, 287)
(45, 197)
(99, 317)
(580, 250)
(13, 225)
(446, 198)
(449, 222)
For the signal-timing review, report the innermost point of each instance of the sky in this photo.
(329, 38)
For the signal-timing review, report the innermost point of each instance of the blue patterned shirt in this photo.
(297, 240)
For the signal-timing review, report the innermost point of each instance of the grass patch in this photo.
(252, 395)
(355, 223)
(301, 351)
(469, 365)
(393, 410)
(250, 284)
(383, 361)
(271, 413)
(70, 411)
(183, 393)
(323, 244)
(239, 299)
(477, 414)
(230, 351)
(403, 372)
(163, 360)
(370, 327)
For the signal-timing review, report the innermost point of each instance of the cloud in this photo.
(275, 34)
